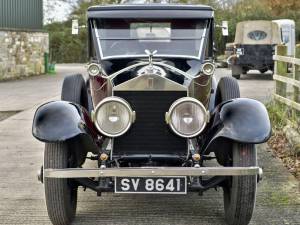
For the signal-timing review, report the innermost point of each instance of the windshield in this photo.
(131, 37)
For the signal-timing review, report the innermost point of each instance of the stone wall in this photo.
(22, 53)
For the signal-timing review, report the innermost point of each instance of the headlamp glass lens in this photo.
(187, 118)
(113, 117)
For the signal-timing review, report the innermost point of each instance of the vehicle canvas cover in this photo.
(257, 32)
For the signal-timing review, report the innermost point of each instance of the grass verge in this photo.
(281, 118)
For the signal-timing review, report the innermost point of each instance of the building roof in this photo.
(21, 15)
(151, 11)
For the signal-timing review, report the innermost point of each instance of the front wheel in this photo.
(240, 191)
(60, 194)
(227, 89)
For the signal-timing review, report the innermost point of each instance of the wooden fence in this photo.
(287, 77)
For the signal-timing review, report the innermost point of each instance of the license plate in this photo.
(148, 185)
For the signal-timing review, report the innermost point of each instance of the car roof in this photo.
(150, 11)
(285, 22)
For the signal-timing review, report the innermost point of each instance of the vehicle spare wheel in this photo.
(245, 71)
(237, 76)
(236, 71)
(74, 90)
(228, 88)
(240, 191)
(263, 70)
(60, 194)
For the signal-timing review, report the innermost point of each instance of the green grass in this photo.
(280, 115)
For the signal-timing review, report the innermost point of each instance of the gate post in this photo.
(281, 69)
(296, 76)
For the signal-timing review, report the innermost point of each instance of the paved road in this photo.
(253, 85)
(20, 95)
(21, 196)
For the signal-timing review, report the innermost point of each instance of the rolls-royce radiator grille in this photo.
(150, 134)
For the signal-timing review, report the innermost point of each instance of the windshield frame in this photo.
(202, 39)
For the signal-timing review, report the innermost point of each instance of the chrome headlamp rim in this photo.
(186, 100)
(208, 64)
(91, 65)
(121, 101)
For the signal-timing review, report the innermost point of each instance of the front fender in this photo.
(241, 120)
(60, 121)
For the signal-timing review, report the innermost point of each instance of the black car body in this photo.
(150, 114)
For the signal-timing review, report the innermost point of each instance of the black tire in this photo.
(237, 76)
(263, 70)
(240, 192)
(228, 88)
(236, 71)
(74, 90)
(60, 194)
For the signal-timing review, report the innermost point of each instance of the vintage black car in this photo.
(151, 114)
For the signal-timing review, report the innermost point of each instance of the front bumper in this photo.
(152, 171)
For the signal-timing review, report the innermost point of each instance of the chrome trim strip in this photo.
(175, 69)
(112, 76)
(151, 82)
(151, 171)
(202, 42)
(98, 38)
(145, 56)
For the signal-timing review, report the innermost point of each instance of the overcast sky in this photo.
(59, 10)
(56, 10)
